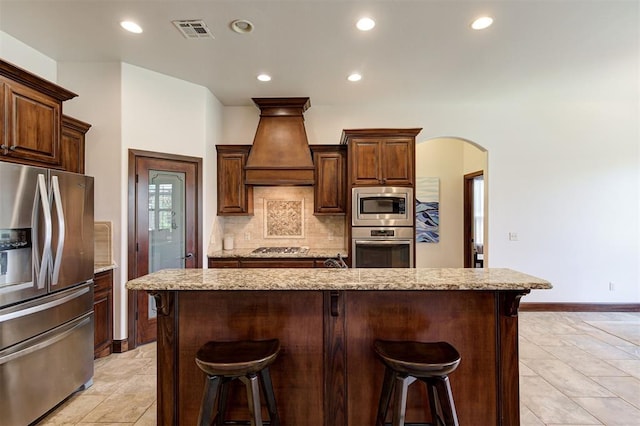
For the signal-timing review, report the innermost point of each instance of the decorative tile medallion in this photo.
(283, 219)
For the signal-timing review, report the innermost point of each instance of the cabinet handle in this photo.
(334, 303)
(3, 146)
(12, 148)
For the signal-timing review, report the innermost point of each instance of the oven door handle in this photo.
(382, 242)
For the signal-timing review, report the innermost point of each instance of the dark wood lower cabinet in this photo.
(103, 313)
(327, 373)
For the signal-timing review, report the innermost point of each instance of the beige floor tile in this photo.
(527, 418)
(528, 350)
(73, 410)
(584, 362)
(138, 383)
(526, 371)
(627, 388)
(629, 366)
(611, 411)
(549, 404)
(596, 347)
(120, 408)
(149, 417)
(620, 333)
(567, 380)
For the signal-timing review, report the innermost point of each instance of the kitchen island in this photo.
(326, 321)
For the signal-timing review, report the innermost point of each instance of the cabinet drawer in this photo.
(103, 281)
(217, 263)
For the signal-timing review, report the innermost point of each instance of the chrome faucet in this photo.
(335, 263)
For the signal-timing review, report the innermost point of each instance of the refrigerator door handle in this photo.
(57, 200)
(40, 261)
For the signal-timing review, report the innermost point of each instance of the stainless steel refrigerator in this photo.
(46, 289)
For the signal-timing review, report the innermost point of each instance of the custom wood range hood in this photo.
(280, 153)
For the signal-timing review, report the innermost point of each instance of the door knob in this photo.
(187, 256)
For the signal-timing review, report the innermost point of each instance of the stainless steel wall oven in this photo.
(382, 247)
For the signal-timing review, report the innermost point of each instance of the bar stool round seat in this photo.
(245, 360)
(406, 361)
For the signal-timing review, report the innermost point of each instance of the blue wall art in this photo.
(427, 209)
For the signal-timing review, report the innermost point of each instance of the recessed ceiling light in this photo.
(242, 26)
(365, 24)
(131, 26)
(482, 23)
(354, 77)
(264, 77)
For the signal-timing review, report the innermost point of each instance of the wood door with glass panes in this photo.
(167, 230)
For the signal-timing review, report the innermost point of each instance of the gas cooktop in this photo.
(281, 250)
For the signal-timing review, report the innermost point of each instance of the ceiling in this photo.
(419, 51)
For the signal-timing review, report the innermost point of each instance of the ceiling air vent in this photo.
(193, 28)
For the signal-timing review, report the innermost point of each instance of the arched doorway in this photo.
(446, 160)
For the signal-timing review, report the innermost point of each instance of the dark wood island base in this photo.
(327, 373)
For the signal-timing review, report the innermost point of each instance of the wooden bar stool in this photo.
(406, 361)
(223, 362)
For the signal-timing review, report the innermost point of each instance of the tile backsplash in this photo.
(103, 249)
(282, 216)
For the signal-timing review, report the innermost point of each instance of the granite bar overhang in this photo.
(339, 279)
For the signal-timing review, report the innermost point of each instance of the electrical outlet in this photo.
(612, 286)
(330, 236)
(247, 236)
(513, 236)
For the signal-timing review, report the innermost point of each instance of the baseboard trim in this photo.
(580, 307)
(120, 346)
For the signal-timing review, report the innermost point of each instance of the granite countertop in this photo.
(324, 253)
(102, 267)
(338, 279)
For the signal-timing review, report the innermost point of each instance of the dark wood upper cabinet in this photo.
(330, 190)
(31, 118)
(384, 157)
(234, 197)
(72, 146)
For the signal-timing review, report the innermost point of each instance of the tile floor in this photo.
(575, 369)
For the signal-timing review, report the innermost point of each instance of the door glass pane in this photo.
(167, 237)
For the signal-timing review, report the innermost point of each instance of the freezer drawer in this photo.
(38, 374)
(28, 319)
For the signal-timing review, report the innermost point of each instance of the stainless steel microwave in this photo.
(382, 206)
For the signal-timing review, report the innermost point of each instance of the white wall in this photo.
(16, 52)
(126, 110)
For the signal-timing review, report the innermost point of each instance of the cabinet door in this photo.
(397, 161)
(103, 316)
(72, 144)
(330, 187)
(33, 126)
(365, 160)
(234, 197)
